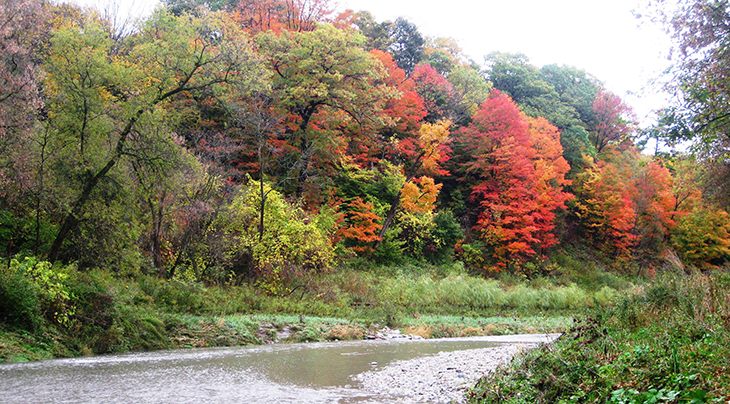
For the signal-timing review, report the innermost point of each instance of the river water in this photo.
(282, 373)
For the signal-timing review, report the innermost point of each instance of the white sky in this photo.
(601, 37)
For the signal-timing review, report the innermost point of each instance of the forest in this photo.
(275, 148)
(263, 141)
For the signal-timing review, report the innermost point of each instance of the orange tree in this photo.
(520, 176)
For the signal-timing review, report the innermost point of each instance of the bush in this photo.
(174, 296)
(444, 236)
(20, 304)
(668, 343)
(290, 245)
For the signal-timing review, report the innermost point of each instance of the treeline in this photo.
(265, 140)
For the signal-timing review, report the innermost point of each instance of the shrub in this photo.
(444, 236)
(703, 237)
(20, 305)
(290, 245)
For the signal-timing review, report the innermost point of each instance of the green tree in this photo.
(377, 34)
(407, 44)
(106, 98)
(701, 52)
(326, 83)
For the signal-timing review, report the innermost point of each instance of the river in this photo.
(280, 373)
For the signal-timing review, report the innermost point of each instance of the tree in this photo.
(576, 88)
(180, 7)
(407, 44)
(435, 90)
(520, 178)
(277, 15)
(604, 207)
(701, 52)
(444, 54)
(532, 89)
(703, 237)
(294, 243)
(425, 152)
(469, 91)
(656, 204)
(103, 100)
(613, 120)
(363, 228)
(21, 23)
(378, 34)
(22, 38)
(325, 83)
(407, 110)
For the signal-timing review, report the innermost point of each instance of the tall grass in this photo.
(464, 292)
(670, 342)
(105, 313)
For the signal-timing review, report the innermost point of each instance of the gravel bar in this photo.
(441, 378)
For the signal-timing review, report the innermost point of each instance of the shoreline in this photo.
(445, 377)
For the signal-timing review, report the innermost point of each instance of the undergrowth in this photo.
(670, 343)
(57, 310)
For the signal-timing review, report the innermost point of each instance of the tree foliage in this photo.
(521, 173)
(224, 141)
(701, 33)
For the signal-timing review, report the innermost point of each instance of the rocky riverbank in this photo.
(441, 378)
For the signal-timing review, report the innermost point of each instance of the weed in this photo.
(666, 344)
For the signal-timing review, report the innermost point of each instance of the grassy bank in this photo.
(668, 343)
(58, 311)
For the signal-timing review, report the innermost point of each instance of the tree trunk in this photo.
(396, 202)
(388, 219)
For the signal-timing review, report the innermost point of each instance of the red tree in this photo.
(521, 172)
(612, 119)
(435, 90)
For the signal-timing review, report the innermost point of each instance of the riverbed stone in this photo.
(440, 378)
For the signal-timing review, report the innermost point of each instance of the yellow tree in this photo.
(421, 153)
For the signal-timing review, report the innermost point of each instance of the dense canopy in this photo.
(264, 139)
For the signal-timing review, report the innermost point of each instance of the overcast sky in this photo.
(603, 38)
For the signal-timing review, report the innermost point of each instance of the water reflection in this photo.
(297, 373)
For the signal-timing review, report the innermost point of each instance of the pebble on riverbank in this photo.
(441, 378)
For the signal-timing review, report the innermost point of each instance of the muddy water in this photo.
(295, 373)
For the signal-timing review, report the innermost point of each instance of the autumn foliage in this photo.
(521, 175)
(204, 142)
(362, 229)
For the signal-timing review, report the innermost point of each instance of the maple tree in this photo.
(613, 120)
(407, 110)
(656, 205)
(435, 91)
(362, 229)
(520, 170)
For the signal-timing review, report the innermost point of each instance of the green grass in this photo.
(104, 313)
(668, 343)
